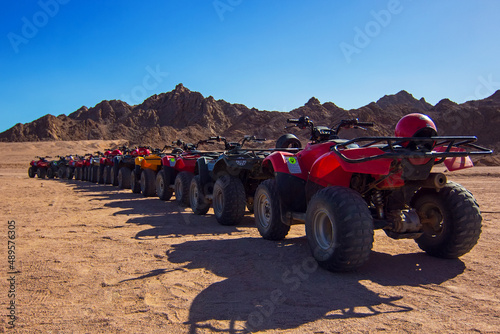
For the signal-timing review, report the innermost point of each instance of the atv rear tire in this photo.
(113, 177)
(339, 229)
(288, 141)
(50, 173)
(41, 173)
(69, 173)
(124, 178)
(61, 173)
(163, 189)
(106, 178)
(135, 183)
(85, 173)
(182, 184)
(267, 210)
(31, 172)
(199, 204)
(148, 179)
(94, 172)
(229, 200)
(451, 221)
(100, 175)
(78, 173)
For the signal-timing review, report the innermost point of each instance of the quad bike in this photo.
(107, 166)
(62, 166)
(143, 177)
(344, 189)
(39, 167)
(72, 167)
(116, 164)
(52, 169)
(124, 165)
(94, 174)
(82, 169)
(229, 181)
(178, 170)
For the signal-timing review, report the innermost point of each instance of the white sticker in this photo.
(241, 162)
(293, 165)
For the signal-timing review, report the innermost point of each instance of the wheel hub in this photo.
(264, 210)
(219, 201)
(324, 230)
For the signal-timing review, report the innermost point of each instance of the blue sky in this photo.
(57, 55)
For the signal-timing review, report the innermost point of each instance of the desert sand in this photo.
(96, 259)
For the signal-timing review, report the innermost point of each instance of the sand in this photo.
(96, 259)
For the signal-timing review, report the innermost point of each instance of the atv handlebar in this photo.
(218, 138)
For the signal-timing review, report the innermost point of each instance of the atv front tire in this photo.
(182, 184)
(163, 189)
(229, 200)
(148, 179)
(339, 229)
(199, 204)
(267, 212)
(31, 172)
(451, 221)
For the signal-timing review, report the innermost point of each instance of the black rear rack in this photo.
(395, 150)
(256, 151)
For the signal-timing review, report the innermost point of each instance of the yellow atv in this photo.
(143, 178)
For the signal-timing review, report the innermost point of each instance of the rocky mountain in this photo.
(184, 114)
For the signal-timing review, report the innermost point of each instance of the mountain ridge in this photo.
(186, 114)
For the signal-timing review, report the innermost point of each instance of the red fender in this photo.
(168, 160)
(327, 171)
(285, 162)
(457, 162)
(186, 163)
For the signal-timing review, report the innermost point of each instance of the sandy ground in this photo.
(95, 259)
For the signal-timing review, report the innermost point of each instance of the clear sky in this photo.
(57, 55)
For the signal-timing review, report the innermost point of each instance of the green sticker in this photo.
(172, 159)
(292, 160)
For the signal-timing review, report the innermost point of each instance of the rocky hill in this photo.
(184, 114)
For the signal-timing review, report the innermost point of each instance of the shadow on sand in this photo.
(269, 285)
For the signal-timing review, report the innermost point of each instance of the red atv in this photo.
(72, 167)
(106, 167)
(39, 167)
(82, 166)
(79, 165)
(178, 171)
(344, 189)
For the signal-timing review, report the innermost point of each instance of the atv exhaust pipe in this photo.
(435, 181)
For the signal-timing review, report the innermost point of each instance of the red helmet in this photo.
(415, 125)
